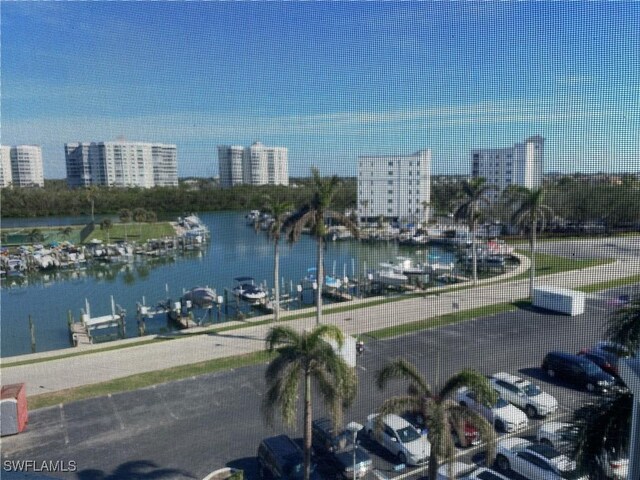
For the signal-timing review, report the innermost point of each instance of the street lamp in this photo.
(354, 428)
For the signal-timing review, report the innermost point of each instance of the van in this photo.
(578, 370)
(280, 458)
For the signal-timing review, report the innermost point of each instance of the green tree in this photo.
(91, 193)
(475, 191)
(534, 213)
(307, 358)
(106, 225)
(438, 409)
(313, 214)
(279, 211)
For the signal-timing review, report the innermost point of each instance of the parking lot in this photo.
(188, 428)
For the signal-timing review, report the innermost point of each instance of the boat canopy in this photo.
(244, 279)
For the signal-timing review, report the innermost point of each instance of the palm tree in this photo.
(278, 210)
(307, 357)
(125, 216)
(91, 192)
(534, 213)
(313, 214)
(438, 409)
(475, 196)
(623, 326)
(139, 216)
(106, 225)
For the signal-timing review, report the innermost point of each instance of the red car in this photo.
(471, 434)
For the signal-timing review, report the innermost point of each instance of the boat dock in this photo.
(82, 333)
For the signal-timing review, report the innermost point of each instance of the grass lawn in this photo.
(139, 232)
(549, 264)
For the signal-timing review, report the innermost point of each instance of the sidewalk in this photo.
(54, 375)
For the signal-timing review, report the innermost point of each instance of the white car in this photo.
(524, 394)
(556, 434)
(400, 438)
(468, 471)
(535, 461)
(504, 416)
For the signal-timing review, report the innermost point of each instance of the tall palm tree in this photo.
(532, 212)
(438, 409)
(474, 198)
(91, 193)
(279, 211)
(307, 358)
(313, 215)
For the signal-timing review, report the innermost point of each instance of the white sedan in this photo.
(535, 461)
(558, 435)
(400, 438)
(467, 471)
(524, 394)
(504, 416)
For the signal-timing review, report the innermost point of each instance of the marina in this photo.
(234, 250)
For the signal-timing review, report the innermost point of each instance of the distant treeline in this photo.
(574, 202)
(201, 196)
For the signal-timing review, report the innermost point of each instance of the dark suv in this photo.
(579, 370)
(280, 458)
(338, 449)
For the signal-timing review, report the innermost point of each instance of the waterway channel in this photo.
(235, 249)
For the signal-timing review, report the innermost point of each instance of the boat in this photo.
(252, 217)
(247, 290)
(200, 296)
(407, 267)
(193, 227)
(389, 276)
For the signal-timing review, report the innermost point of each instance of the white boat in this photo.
(200, 296)
(407, 267)
(252, 217)
(247, 290)
(387, 275)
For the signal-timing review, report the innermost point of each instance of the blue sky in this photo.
(328, 80)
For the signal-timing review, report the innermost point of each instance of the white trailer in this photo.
(558, 299)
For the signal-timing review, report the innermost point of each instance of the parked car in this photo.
(400, 438)
(338, 448)
(601, 361)
(504, 416)
(535, 461)
(611, 351)
(280, 458)
(524, 394)
(558, 435)
(471, 433)
(578, 370)
(468, 471)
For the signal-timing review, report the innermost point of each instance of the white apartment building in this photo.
(6, 179)
(21, 166)
(121, 164)
(396, 187)
(522, 164)
(254, 165)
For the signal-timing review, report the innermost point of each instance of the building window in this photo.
(411, 164)
(390, 172)
(409, 192)
(389, 210)
(389, 182)
(390, 200)
(417, 165)
(390, 192)
(410, 173)
(391, 164)
(409, 200)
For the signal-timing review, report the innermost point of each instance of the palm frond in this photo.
(324, 332)
(623, 326)
(474, 381)
(401, 369)
(281, 335)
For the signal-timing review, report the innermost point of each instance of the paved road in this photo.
(193, 426)
(71, 372)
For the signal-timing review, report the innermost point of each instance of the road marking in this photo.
(63, 425)
(166, 406)
(115, 411)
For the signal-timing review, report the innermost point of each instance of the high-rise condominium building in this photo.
(254, 165)
(396, 187)
(21, 166)
(522, 164)
(121, 164)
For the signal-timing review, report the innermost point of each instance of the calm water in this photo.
(234, 250)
